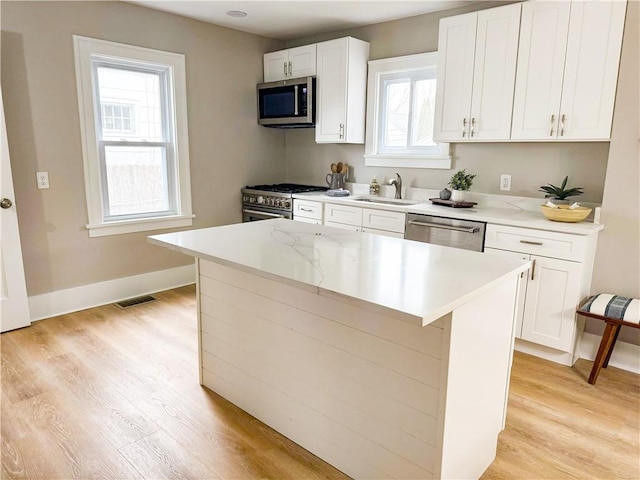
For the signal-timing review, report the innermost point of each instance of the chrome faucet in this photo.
(397, 182)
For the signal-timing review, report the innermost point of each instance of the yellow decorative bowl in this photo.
(564, 214)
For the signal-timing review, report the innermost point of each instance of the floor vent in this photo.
(132, 302)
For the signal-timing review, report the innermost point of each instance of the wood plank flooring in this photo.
(114, 393)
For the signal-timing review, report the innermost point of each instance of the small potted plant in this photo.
(560, 193)
(460, 182)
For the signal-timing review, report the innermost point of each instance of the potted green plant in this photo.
(460, 182)
(560, 193)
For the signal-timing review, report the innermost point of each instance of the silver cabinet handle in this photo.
(285, 68)
(341, 130)
(290, 69)
(6, 203)
(464, 127)
(473, 124)
(306, 209)
(444, 227)
(533, 268)
(553, 119)
(562, 125)
(529, 242)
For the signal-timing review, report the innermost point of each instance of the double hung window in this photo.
(134, 129)
(400, 113)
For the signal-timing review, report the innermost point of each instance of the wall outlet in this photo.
(505, 182)
(42, 179)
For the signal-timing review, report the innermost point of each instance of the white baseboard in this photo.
(87, 296)
(625, 355)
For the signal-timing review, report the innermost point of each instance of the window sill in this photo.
(408, 161)
(139, 225)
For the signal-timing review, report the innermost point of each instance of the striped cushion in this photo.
(614, 306)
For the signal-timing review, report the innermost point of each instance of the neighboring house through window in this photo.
(134, 130)
(400, 114)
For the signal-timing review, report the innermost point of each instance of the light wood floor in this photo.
(113, 393)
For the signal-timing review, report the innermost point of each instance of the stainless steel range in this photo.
(262, 202)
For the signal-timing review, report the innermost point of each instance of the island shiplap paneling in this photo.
(320, 379)
(264, 334)
(395, 357)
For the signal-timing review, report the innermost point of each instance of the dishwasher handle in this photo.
(444, 227)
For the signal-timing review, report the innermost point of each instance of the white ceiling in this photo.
(287, 19)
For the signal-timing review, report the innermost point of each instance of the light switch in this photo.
(42, 179)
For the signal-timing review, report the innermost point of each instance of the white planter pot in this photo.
(457, 195)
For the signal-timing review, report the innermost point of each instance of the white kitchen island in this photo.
(386, 358)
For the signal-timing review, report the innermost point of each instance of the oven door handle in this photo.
(444, 227)
(266, 214)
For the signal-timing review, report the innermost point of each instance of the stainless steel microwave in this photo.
(287, 103)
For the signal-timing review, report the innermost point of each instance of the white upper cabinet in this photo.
(567, 70)
(476, 74)
(292, 63)
(341, 90)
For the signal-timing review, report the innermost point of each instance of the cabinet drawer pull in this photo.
(341, 130)
(473, 124)
(464, 127)
(529, 242)
(285, 68)
(562, 125)
(553, 119)
(306, 209)
(290, 69)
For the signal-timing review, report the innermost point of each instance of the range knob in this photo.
(260, 199)
(252, 199)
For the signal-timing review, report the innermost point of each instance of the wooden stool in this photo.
(616, 311)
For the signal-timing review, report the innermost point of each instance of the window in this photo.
(400, 114)
(134, 130)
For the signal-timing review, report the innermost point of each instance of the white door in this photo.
(494, 73)
(14, 309)
(541, 56)
(553, 292)
(456, 50)
(331, 85)
(591, 70)
(303, 61)
(276, 65)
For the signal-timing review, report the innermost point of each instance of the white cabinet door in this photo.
(553, 292)
(456, 49)
(343, 214)
(303, 61)
(494, 73)
(291, 63)
(591, 70)
(341, 90)
(276, 65)
(522, 285)
(476, 74)
(541, 57)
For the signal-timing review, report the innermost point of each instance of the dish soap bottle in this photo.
(374, 187)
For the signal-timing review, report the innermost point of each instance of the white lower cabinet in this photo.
(368, 220)
(550, 291)
(307, 211)
(547, 300)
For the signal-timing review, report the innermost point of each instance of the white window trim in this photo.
(372, 158)
(84, 48)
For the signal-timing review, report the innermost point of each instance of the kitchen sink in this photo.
(387, 201)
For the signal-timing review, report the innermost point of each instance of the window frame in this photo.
(437, 157)
(89, 52)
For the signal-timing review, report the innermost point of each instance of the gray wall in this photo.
(228, 149)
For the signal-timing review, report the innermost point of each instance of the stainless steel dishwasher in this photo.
(450, 232)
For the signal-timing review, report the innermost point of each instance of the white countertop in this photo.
(421, 280)
(498, 210)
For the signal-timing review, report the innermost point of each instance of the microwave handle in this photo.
(295, 101)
